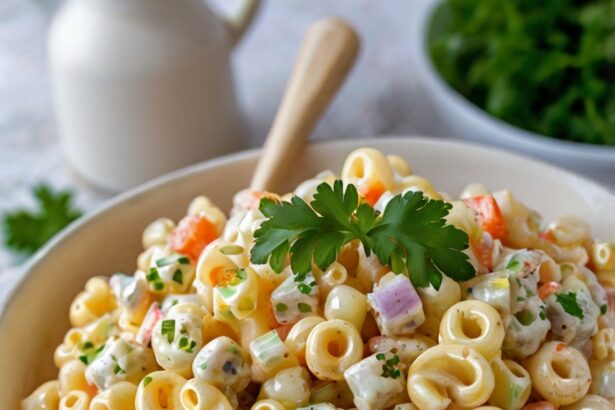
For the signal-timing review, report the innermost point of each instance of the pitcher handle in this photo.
(238, 24)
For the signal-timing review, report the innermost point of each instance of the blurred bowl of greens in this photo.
(533, 76)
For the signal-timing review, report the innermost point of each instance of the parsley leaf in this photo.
(411, 234)
(27, 231)
(570, 304)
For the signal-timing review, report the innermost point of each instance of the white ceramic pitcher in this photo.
(143, 87)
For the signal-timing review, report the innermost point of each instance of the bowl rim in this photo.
(168, 179)
(514, 133)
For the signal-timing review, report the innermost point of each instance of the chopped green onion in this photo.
(304, 307)
(231, 250)
(153, 275)
(168, 328)
(178, 277)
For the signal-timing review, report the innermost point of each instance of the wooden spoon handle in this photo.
(328, 52)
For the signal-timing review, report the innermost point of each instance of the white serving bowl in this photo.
(468, 121)
(35, 317)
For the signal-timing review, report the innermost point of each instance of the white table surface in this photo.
(381, 97)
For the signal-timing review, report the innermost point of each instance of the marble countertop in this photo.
(382, 96)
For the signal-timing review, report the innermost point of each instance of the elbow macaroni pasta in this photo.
(200, 326)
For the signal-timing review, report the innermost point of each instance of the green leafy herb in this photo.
(158, 285)
(153, 275)
(570, 304)
(117, 369)
(389, 368)
(178, 277)
(304, 307)
(411, 229)
(603, 309)
(546, 66)
(304, 288)
(168, 328)
(147, 380)
(281, 307)
(26, 231)
(87, 345)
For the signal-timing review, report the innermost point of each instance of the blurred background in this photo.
(390, 91)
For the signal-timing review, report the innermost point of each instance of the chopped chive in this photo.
(192, 346)
(117, 369)
(305, 289)
(242, 274)
(153, 275)
(281, 307)
(603, 309)
(183, 342)
(178, 277)
(147, 380)
(542, 313)
(304, 307)
(184, 260)
(231, 250)
(168, 328)
(175, 302)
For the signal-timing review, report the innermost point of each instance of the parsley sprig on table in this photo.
(26, 231)
(410, 236)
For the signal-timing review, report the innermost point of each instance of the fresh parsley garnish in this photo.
(389, 368)
(168, 329)
(570, 304)
(26, 231)
(117, 369)
(411, 235)
(147, 380)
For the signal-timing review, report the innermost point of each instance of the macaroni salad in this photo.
(371, 290)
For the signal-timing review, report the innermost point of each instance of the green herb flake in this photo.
(304, 307)
(183, 260)
(147, 380)
(203, 366)
(570, 304)
(603, 309)
(178, 277)
(304, 288)
(412, 227)
(153, 275)
(168, 329)
(158, 285)
(281, 307)
(84, 359)
(117, 369)
(543, 314)
(389, 368)
(87, 345)
(231, 250)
